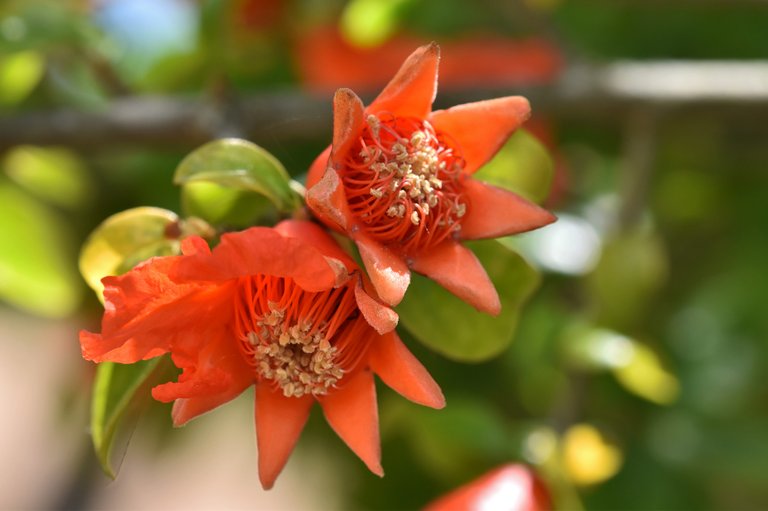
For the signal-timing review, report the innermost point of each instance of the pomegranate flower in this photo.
(397, 180)
(283, 309)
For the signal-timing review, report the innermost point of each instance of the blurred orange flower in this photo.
(284, 309)
(397, 179)
(508, 488)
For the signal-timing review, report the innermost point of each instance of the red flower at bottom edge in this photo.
(284, 309)
(397, 179)
(512, 487)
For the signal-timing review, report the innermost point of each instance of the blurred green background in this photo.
(635, 379)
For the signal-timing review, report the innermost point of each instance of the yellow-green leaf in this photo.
(523, 166)
(55, 174)
(242, 165)
(455, 329)
(125, 239)
(116, 389)
(19, 74)
(36, 269)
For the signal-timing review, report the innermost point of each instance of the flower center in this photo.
(401, 182)
(301, 342)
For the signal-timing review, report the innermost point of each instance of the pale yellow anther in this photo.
(298, 361)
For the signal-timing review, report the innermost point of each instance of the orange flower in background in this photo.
(284, 309)
(508, 488)
(397, 179)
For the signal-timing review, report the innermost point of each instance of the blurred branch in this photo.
(582, 91)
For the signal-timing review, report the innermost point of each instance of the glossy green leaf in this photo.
(368, 23)
(116, 390)
(56, 175)
(455, 329)
(523, 166)
(19, 74)
(242, 165)
(221, 205)
(125, 239)
(36, 270)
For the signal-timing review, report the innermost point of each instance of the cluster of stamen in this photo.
(402, 182)
(299, 341)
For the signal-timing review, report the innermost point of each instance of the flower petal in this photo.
(279, 422)
(352, 413)
(388, 272)
(481, 128)
(382, 318)
(399, 369)
(348, 121)
(214, 369)
(253, 251)
(314, 235)
(328, 201)
(456, 268)
(494, 212)
(411, 92)
(144, 310)
(186, 409)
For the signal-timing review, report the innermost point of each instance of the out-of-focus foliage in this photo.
(635, 378)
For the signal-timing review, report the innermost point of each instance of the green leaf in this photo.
(455, 329)
(242, 165)
(36, 270)
(117, 390)
(124, 240)
(369, 23)
(19, 74)
(55, 175)
(221, 205)
(523, 166)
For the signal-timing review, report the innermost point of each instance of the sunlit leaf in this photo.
(222, 205)
(523, 166)
(125, 239)
(116, 389)
(588, 457)
(366, 23)
(242, 165)
(36, 273)
(56, 175)
(19, 74)
(455, 329)
(644, 375)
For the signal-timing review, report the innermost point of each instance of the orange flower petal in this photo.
(399, 369)
(411, 92)
(317, 169)
(312, 234)
(213, 366)
(328, 201)
(279, 422)
(252, 252)
(348, 120)
(388, 272)
(456, 268)
(481, 128)
(494, 212)
(352, 413)
(186, 409)
(382, 318)
(143, 311)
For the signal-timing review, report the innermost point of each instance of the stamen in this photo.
(405, 170)
(297, 344)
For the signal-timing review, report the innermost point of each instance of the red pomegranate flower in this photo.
(512, 487)
(397, 179)
(284, 309)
